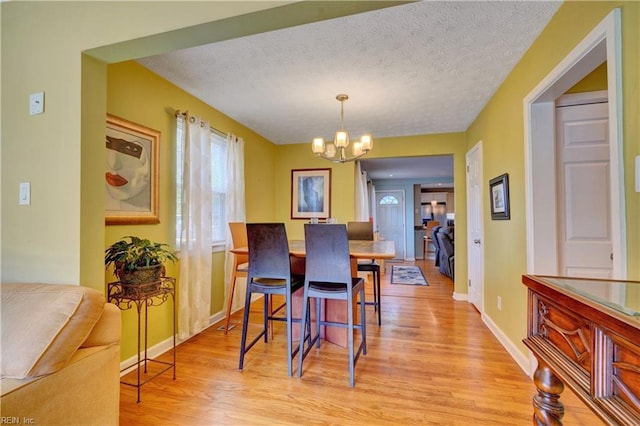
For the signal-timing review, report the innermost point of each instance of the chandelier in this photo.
(336, 151)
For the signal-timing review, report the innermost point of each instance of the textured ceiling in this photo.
(420, 68)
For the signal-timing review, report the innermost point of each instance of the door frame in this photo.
(602, 44)
(476, 147)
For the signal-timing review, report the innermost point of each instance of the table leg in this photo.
(547, 408)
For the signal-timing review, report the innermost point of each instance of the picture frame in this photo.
(310, 193)
(499, 197)
(131, 175)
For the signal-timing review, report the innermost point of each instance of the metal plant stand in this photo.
(142, 296)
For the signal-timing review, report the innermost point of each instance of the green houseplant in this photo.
(138, 260)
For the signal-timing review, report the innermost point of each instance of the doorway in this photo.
(390, 220)
(599, 46)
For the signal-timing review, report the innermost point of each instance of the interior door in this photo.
(584, 181)
(475, 252)
(390, 214)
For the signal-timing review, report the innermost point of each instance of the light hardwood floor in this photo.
(432, 361)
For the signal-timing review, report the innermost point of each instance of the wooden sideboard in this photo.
(585, 334)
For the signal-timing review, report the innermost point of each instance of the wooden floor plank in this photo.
(432, 362)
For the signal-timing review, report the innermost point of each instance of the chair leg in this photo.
(303, 325)
(350, 338)
(379, 295)
(245, 325)
(267, 316)
(363, 319)
(375, 291)
(318, 319)
(230, 302)
(289, 334)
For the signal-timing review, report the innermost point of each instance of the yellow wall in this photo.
(596, 80)
(500, 127)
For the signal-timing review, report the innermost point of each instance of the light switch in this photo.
(25, 193)
(36, 103)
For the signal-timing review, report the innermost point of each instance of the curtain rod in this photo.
(213, 129)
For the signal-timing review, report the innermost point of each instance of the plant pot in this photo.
(141, 280)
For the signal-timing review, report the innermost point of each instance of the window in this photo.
(218, 185)
(388, 199)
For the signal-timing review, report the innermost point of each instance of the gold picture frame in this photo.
(310, 193)
(131, 176)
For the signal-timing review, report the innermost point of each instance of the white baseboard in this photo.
(524, 362)
(462, 297)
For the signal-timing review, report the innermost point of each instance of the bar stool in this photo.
(364, 231)
(269, 274)
(328, 276)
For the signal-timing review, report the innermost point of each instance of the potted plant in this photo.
(138, 261)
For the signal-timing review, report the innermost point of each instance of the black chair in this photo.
(269, 274)
(446, 240)
(436, 243)
(328, 276)
(364, 231)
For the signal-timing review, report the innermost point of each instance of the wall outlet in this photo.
(499, 303)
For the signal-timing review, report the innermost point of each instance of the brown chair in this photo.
(364, 231)
(328, 276)
(270, 274)
(240, 264)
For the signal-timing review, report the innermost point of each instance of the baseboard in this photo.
(462, 297)
(522, 361)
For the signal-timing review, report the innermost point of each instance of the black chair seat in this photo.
(334, 288)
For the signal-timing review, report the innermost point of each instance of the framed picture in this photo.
(310, 193)
(499, 193)
(131, 175)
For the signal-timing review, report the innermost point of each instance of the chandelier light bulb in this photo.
(357, 149)
(342, 139)
(366, 142)
(318, 145)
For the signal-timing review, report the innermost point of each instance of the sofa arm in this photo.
(107, 330)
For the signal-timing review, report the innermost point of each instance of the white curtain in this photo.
(195, 233)
(235, 210)
(362, 194)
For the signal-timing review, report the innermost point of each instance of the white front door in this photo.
(474, 225)
(390, 219)
(584, 182)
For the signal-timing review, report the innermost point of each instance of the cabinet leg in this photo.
(547, 408)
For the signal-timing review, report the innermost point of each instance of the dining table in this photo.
(334, 310)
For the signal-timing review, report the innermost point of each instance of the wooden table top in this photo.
(357, 248)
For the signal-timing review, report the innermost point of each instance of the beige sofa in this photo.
(60, 355)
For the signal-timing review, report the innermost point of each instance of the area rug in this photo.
(412, 275)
